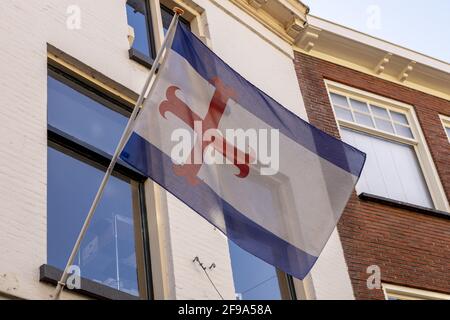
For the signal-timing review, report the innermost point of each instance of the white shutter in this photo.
(392, 169)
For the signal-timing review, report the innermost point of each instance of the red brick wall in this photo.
(412, 249)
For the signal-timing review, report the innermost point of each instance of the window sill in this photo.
(140, 58)
(404, 205)
(51, 275)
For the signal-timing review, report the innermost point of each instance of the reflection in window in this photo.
(107, 253)
(254, 279)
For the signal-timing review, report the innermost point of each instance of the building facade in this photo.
(72, 71)
(391, 103)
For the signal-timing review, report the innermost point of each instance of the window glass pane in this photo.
(380, 112)
(107, 253)
(447, 129)
(83, 118)
(137, 18)
(360, 106)
(363, 119)
(339, 100)
(254, 279)
(391, 170)
(399, 117)
(384, 125)
(404, 131)
(343, 114)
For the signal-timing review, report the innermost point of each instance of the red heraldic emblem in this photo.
(211, 122)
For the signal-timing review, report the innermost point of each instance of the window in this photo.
(395, 292)
(83, 129)
(370, 115)
(396, 152)
(140, 18)
(446, 123)
(255, 279)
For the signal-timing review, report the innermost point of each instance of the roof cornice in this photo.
(362, 52)
(286, 18)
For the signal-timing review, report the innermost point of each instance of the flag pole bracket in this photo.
(178, 11)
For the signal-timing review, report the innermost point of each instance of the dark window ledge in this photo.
(404, 205)
(140, 58)
(51, 275)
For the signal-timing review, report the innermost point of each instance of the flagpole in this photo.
(126, 134)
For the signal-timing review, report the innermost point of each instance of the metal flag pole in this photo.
(126, 134)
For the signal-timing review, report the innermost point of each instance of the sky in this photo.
(422, 26)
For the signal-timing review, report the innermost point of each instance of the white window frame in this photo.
(406, 293)
(419, 144)
(446, 124)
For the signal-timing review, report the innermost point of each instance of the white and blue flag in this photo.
(271, 182)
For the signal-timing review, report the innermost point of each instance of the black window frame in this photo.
(73, 147)
(181, 19)
(135, 54)
(140, 57)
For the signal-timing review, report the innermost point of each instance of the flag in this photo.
(271, 182)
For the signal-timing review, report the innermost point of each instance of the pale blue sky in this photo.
(423, 26)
